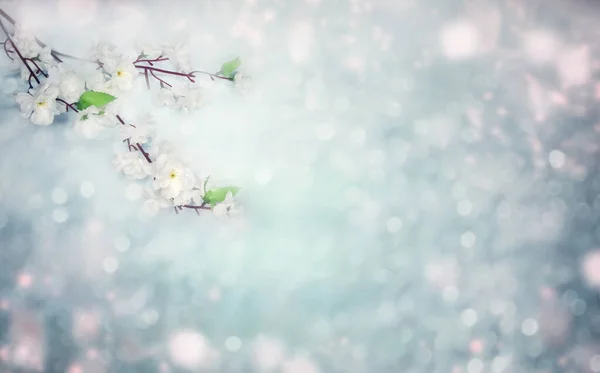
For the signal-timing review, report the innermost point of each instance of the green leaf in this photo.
(204, 186)
(228, 68)
(218, 195)
(92, 98)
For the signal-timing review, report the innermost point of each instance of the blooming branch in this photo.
(58, 90)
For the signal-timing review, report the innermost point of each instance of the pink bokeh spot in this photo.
(86, 325)
(476, 346)
(75, 368)
(540, 46)
(559, 98)
(188, 348)
(597, 91)
(92, 353)
(24, 280)
(547, 293)
(574, 66)
(95, 226)
(460, 40)
(590, 268)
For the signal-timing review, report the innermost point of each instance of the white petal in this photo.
(220, 210)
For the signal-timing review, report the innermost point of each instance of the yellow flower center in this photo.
(41, 103)
(173, 175)
(120, 74)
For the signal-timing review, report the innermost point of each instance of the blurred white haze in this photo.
(420, 183)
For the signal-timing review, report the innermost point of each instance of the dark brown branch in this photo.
(14, 46)
(131, 148)
(162, 82)
(39, 69)
(201, 207)
(144, 152)
(169, 72)
(69, 106)
(12, 22)
(150, 62)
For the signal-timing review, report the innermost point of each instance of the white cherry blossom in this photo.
(150, 52)
(165, 97)
(133, 165)
(242, 81)
(97, 81)
(106, 54)
(26, 43)
(46, 59)
(186, 196)
(23, 70)
(202, 184)
(188, 97)
(197, 196)
(91, 121)
(179, 55)
(110, 112)
(40, 106)
(70, 85)
(155, 202)
(122, 75)
(227, 207)
(173, 179)
(161, 147)
(141, 132)
(172, 182)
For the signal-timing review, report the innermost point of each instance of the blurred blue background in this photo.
(420, 181)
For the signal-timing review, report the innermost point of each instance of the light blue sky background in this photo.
(395, 164)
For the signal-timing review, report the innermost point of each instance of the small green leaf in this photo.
(228, 68)
(92, 98)
(204, 186)
(218, 195)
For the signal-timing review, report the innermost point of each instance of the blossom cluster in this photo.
(55, 88)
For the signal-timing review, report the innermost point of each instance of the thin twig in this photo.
(12, 22)
(131, 148)
(212, 76)
(159, 59)
(147, 79)
(39, 69)
(169, 72)
(14, 46)
(144, 152)
(69, 106)
(201, 207)
(159, 79)
(8, 52)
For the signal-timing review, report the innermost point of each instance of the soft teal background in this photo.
(358, 116)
